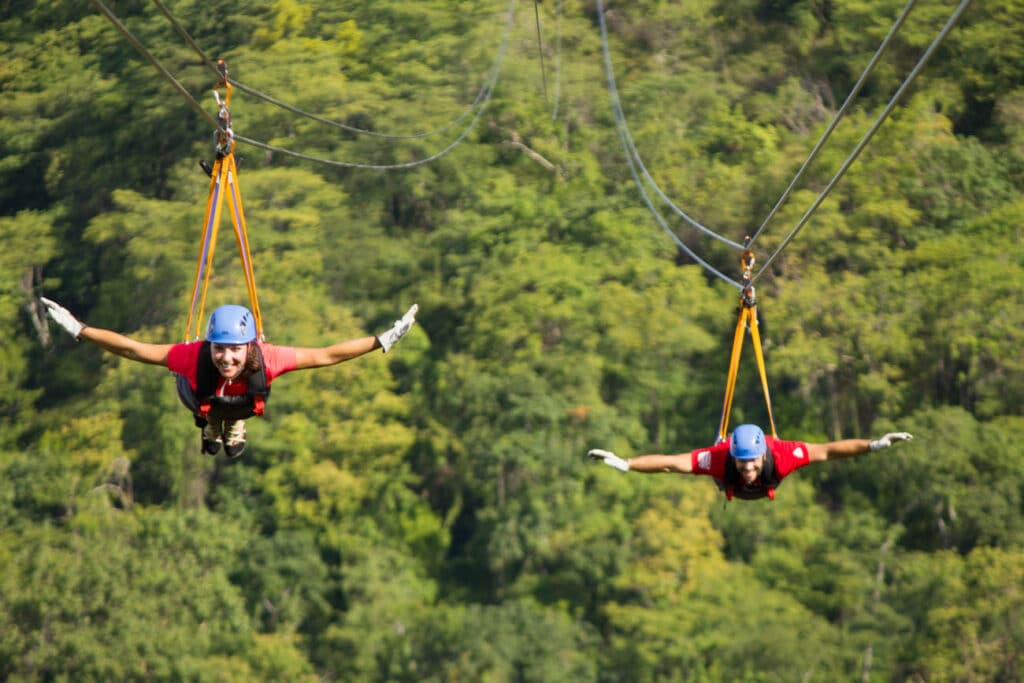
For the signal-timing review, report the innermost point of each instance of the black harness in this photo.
(733, 485)
(204, 402)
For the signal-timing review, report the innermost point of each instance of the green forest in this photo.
(430, 515)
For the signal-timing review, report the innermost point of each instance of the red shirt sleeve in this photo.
(710, 461)
(183, 359)
(277, 360)
(789, 455)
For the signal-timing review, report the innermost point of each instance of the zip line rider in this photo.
(226, 378)
(748, 465)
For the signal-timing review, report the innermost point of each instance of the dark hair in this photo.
(252, 360)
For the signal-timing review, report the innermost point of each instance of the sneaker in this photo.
(211, 438)
(234, 438)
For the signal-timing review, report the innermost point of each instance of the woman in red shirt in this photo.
(226, 378)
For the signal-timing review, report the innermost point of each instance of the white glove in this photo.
(609, 458)
(399, 329)
(63, 317)
(888, 439)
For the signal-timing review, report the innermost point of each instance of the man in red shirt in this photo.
(226, 378)
(748, 464)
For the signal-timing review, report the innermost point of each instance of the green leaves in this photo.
(121, 597)
(430, 515)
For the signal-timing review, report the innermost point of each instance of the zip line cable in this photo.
(159, 67)
(295, 110)
(372, 167)
(868, 135)
(661, 221)
(631, 151)
(363, 131)
(558, 60)
(632, 154)
(489, 88)
(835, 120)
(386, 167)
(540, 48)
(623, 136)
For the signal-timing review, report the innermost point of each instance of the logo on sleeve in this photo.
(704, 460)
(798, 452)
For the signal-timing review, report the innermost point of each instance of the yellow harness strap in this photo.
(223, 177)
(747, 319)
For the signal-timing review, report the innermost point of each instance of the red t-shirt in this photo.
(183, 359)
(788, 456)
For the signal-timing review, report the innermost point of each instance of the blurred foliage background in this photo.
(430, 515)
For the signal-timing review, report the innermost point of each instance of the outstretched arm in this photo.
(645, 464)
(334, 354)
(118, 344)
(833, 450)
(655, 462)
(126, 347)
(847, 448)
(353, 348)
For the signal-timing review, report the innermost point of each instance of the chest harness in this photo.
(204, 402)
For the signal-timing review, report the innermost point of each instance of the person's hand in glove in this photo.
(398, 330)
(888, 440)
(609, 458)
(63, 317)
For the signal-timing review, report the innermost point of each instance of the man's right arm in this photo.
(646, 464)
(681, 463)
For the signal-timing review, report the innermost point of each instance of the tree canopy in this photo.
(430, 515)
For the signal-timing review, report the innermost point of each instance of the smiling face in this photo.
(749, 470)
(229, 359)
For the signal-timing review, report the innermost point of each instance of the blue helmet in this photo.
(747, 443)
(231, 324)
